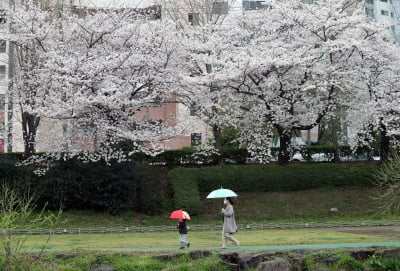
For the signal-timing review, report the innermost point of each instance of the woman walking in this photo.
(229, 227)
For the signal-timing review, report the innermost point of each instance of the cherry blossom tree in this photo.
(293, 64)
(376, 108)
(100, 77)
(109, 69)
(196, 12)
(29, 30)
(196, 21)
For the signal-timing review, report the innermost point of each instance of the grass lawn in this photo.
(197, 239)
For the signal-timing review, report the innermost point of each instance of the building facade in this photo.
(386, 11)
(172, 113)
(10, 116)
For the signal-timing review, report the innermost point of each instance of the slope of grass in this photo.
(296, 206)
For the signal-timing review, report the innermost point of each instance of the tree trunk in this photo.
(336, 157)
(385, 143)
(217, 137)
(217, 144)
(285, 137)
(30, 122)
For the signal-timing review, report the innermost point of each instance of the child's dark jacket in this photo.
(182, 227)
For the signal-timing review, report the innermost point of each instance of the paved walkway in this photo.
(260, 248)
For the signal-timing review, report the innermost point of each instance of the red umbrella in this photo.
(180, 214)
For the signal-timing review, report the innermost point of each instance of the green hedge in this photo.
(231, 155)
(186, 157)
(188, 182)
(91, 185)
(149, 198)
(185, 189)
(289, 178)
(74, 184)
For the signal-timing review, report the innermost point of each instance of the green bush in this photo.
(149, 190)
(348, 263)
(387, 182)
(234, 155)
(92, 185)
(293, 177)
(11, 172)
(377, 263)
(73, 184)
(185, 189)
(186, 183)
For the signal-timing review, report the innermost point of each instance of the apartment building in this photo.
(10, 116)
(172, 113)
(386, 11)
(254, 4)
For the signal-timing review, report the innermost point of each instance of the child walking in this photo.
(182, 233)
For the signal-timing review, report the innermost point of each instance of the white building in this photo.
(113, 3)
(386, 11)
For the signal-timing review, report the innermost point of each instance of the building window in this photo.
(253, 5)
(393, 29)
(195, 139)
(194, 19)
(392, 14)
(3, 46)
(219, 8)
(2, 72)
(384, 12)
(369, 12)
(2, 103)
(384, 1)
(371, 2)
(193, 109)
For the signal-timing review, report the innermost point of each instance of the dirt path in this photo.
(389, 232)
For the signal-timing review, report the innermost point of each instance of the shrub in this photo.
(149, 190)
(348, 263)
(379, 264)
(91, 185)
(11, 172)
(289, 178)
(186, 183)
(309, 263)
(231, 154)
(74, 184)
(387, 182)
(185, 189)
(16, 212)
